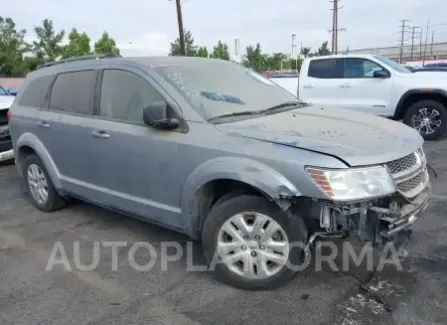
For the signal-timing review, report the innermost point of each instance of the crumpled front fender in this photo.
(258, 175)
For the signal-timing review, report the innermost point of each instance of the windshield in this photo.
(215, 88)
(392, 64)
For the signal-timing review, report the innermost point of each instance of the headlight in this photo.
(353, 184)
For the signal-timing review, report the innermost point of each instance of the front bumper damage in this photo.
(379, 221)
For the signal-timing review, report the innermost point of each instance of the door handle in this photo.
(100, 134)
(43, 124)
(345, 86)
(308, 86)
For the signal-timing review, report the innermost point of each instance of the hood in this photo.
(356, 138)
(6, 102)
(438, 75)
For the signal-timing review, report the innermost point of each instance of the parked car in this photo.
(425, 68)
(6, 100)
(377, 85)
(218, 152)
(437, 65)
(411, 67)
(13, 91)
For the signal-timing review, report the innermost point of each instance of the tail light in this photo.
(8, 116)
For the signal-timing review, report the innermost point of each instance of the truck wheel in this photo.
(39, 185)
(251, 244)
(428, 117)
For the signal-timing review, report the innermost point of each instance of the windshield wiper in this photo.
(283, 105)
(261, 111)
(233, 114)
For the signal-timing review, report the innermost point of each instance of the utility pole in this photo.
(412, 40)
(180, 27)
(335, 28)
(421, 41)
(426, 39)
(403, 26)
(294, 51)
(432, 42)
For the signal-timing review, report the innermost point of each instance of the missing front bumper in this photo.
(410, 213)
(379, 221)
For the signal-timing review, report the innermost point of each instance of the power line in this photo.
(335, 28)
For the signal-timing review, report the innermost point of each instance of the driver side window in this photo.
(360, 68)
(124, 96)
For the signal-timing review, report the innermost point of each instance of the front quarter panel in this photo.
(262, 177)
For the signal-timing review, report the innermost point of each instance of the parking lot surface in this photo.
(30, 295)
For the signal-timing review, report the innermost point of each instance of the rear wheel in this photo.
(428, 117)
(39, 185)
(250, 243)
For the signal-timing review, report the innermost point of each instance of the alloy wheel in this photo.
(426, 121)
(253, 245)
(37, 184)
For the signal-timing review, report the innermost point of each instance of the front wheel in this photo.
(250, 243)
(428, 117)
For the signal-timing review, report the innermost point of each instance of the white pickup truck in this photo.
(380, 86)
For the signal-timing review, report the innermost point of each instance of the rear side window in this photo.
(325, 69)
(35, 94)
(73, 92)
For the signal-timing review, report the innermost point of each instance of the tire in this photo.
(292, 226)
(53, 200)
(414, 111)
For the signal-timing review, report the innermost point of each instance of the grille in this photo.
(403, 167)
(402, 164)
(411, 184)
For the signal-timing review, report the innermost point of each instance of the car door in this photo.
(360, 90)
(320, 84)
(135, 163)
(64, 129)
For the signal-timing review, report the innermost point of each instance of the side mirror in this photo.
(156, 115)
(381, 74)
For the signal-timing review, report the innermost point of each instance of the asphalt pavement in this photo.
(30, 295)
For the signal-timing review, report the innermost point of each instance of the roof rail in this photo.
(80, 58)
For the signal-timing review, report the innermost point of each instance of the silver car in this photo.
(213, 150)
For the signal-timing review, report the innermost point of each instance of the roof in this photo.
(338, 56)
(128, 61)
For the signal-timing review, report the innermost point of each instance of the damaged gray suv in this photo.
(213, 150)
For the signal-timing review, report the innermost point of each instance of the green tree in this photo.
(78, 44)
(48, 46)
(276, 61)
(202, 52)
(106, 44)
(254, 58)
(295, 64)
(323, 50)
(220, 51)
(12, 48)
(191, 48)
(305, 51)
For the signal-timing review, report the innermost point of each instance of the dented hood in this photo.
(356, 138)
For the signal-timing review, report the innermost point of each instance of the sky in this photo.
(147, 27)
